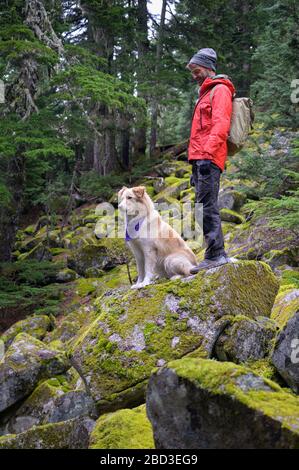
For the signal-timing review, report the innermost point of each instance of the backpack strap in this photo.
(213, 91)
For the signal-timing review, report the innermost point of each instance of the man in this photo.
(207, 149)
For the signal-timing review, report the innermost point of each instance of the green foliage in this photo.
(272, 172)
(26, 288)
(30, 272)
(5, 196)
(281, 212)
(92, 184)
(276, 61)
(84, 82)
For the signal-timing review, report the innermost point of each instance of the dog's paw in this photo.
(135, 286)
(146, 283)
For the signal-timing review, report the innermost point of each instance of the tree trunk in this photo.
(155, 106)
(143, 50)
(21, 99)
(103, 147)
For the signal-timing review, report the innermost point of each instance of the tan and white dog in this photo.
(158, 249)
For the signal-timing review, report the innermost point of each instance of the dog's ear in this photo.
(120, 192)
(139, 191)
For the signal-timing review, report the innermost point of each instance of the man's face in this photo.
(198, 72)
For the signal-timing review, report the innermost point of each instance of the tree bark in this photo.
(104, 150)
(155, 106)
(143, 51)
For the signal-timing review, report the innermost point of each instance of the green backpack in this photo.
(241, 121)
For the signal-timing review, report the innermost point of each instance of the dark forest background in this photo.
(94, 89)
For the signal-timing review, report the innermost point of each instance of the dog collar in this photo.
(137, 228)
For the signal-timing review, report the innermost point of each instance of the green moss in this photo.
(30, 230)
(288, 256)
(264, 368)
(220, 378)
(150, 191)
(285, 306)
(134, 330)
(290, 278)
(85, 286)
(37, 326)
(229, 215)
(49, 436)
(170, 180)
(173, 188)
(123, 429)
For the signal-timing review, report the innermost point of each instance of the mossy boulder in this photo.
(136, 331)
(79, 238)
(231, 199)
(123, 429)
(159, 184)
(51, 402)
(173, 188)
(104, 255)
(66, 275)
(253, 239)
(228, 215)
(182, 172)
(71, 434)
(187, 195)
(285, 356)
(40, 253)
(286, 304)
(30, 229)
(206, 404)
(36, 326)
(66, 330)
(166, 168)
(245, 339)
(287, 256)
(25, 363)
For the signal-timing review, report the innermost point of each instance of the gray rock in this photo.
(71, 434)
(66, 275)
(205, 404)
(231, 199)
(104, 255)
(164, 321)
(50, 403)
(36, 326)
(26, 362)
(285, 357)
(159, 184)
(246, 340)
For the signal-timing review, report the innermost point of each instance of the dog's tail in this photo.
(177, 264)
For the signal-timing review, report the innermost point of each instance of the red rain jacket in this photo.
(210, 124)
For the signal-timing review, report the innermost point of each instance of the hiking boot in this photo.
(209, 263)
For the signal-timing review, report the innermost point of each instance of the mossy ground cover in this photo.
(223, 377)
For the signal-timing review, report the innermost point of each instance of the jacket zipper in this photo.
(200, 118)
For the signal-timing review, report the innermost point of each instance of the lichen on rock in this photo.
(202, 403)
(135, 331)
(27, 361)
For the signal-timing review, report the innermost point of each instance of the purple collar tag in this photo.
(136, 229)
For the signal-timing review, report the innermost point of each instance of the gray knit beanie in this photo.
(206, 57)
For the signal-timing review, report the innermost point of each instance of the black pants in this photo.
(206, 179)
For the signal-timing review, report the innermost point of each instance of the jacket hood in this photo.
(209, 83)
